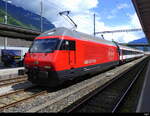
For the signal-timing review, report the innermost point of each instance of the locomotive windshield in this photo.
(44, 45)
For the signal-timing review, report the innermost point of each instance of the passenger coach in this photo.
(128, 54)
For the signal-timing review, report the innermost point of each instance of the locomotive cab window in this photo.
(44, 45)
(68, 45)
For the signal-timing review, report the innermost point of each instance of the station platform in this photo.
(9, 72)
(144, 101)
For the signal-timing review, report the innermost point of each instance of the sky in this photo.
(110, 15)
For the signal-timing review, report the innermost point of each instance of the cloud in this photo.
(53, 7)
(134, 20)
(122, 37)
(113, 12)
(110, 16)
(82, 14)
(126, 36)
(122, 6)
(78, 5)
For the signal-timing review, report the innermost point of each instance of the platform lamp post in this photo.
(6, 20)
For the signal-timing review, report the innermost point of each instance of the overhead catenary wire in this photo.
(118, 31)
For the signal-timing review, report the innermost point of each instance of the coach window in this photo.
(125, 52)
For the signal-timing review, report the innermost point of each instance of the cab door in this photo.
(72, 53)
(69, 48)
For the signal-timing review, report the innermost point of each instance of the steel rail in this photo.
(17, 91)
(22, 100)
(11, 83)
(14, 92)
(12, 78)
(127, 90)
(14, 81)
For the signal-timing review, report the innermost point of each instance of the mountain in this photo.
(141, 40)
(27, 18)
(11, 20)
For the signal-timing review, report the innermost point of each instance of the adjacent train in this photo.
(60, 54)
(12, 56)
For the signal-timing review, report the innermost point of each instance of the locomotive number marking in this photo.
(90, 61)
(111, 53)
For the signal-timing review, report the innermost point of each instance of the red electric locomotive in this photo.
(62, 54)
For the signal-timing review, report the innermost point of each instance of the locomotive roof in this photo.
(82, 36)
(79, 35)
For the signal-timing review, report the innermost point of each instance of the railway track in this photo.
(12, 81)
(109, 97)
(13, 98)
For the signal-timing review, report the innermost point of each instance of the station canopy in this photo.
(142, 8)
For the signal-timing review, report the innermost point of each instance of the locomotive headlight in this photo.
(47, 67)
